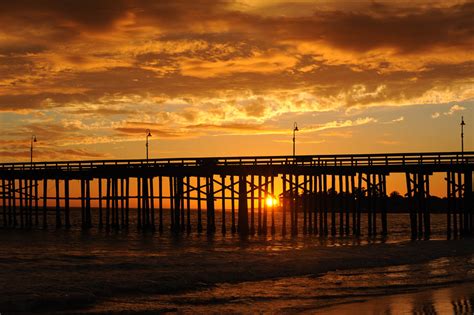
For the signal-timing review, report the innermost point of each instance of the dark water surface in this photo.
(100, 272)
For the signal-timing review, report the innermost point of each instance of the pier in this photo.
(323, 195)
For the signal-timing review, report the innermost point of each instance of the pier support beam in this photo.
(243, 220)
(418, 194)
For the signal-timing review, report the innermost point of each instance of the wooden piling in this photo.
(188, 204)
(259, 214)
(182, 207)
(112, 203)
(272, 191)
(177, 202)
(20, 199)
(375, 203)
(454, 204)
(58, 205)
(265, 206)
(469, 202)
(139, 203)
(107, 203)
(383, 181)
(88, 204)
(353, 205)
(419, 182)
(292, 203)
(252, 205)
(99, 202)
(146, 204)
(370, 191)
(122, 202)
(341, 206)
(320, 196)
(333, 196)
(360, 198)
(198, 186)
(45, 203)
(449, 205)
(411, 197)
(30, 203)
(223, 185)
(127, 202)
(172, 205)
(427, 214)
(160, 204)
(304, 203)
(295, 221)
(232, 199)
(460, 204)
(243, 225)
(314, 205)
(347, 205)
(36, 203)
(67, 212)
(4, 202)
(210, 205)
(284, 205)
(325, 204)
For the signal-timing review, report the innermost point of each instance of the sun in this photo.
(271, 201)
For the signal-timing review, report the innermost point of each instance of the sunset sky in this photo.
(220, 78)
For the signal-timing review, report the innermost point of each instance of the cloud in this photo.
(335, 124)
(102, 70)
(399, 119)
(453, 109)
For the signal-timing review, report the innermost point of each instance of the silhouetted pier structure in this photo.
(329, 192)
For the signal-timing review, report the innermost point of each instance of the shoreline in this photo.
(88, 280)
(444, 299)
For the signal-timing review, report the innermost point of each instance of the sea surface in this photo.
(100, 271)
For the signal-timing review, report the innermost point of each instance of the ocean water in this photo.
(100, 271)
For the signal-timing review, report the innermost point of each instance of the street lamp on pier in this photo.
(462, 134)
(295, 129)
(33, 139)
(148, 134)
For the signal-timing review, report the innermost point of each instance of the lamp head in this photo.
(295, 127)
(462, 121)
(148, 133)
(34, 139)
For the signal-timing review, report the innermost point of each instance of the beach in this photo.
(103, 272)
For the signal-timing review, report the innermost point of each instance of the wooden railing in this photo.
(392, 159)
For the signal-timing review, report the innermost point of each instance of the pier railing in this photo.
(392, 159)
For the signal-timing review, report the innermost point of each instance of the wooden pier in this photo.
(320, 195)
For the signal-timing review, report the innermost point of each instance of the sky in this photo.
(230, 78)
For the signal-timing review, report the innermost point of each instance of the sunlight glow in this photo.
(271, 201)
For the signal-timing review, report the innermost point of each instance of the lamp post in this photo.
(33, 139)
(148, 134)
(295, 129)
(462, 134)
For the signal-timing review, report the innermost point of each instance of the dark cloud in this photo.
(90, 14)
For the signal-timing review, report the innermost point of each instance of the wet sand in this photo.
(457, 299)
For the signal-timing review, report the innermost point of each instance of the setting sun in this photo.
(271, 201)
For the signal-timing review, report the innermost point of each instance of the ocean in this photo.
(102, 272)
